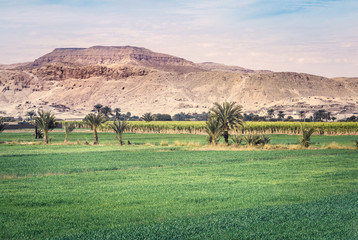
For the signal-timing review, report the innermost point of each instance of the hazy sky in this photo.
(317, 36)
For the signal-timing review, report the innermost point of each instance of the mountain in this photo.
(70, 81)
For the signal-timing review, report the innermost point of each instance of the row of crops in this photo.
(198, 127)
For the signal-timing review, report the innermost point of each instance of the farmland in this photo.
(148, 190)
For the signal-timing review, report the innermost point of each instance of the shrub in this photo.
(237, 139)
(252, 139)
(265, 139)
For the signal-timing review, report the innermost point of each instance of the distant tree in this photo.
(119, 127)
(213, 129)
(302, 115)
(229, 116)
(162, 117)
(68, 127)
(148, 117)
(106, 111)
(333, 119)
(319, 115)
(181, 117)
(327, 116)
(98, 107)
(289, 119)
(281, 115)
(31, 114)
(352, 118)
(94, 120)
(117, 112)
(45, 121)
(270, 113)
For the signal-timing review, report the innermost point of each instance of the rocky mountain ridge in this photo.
(71, 81)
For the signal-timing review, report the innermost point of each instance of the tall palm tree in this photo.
(69, 127)
(94, 120)
(302, 115)
(119, 127)
(45, 121)
(229, 117)
(212, 128)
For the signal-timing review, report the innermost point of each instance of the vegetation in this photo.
(148, 117)
(94, 121)
(168, 192)
(329, 128)
(2, 125)
(237, 139)
(252, 139)
(45, 121)
(68, 127)
(119, 127)
(306, 133)
(229, 116)
(213, 130)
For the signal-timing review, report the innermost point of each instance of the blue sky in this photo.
(318, 37)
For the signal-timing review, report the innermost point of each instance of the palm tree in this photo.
(94, 120)
(69, 127)
(270, 113)
(281, 115)
(117, 112)
(303, 115)
(213, 129)
(98, 107)
(119, 127)
(45, 121)
(106, 111)
(305, 139)
(148, 117)
(229, 117)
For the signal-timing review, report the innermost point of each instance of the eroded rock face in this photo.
(110, 55)
(60, 72)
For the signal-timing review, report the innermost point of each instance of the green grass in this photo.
(155, 139)
(168, 192)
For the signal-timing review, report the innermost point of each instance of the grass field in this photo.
(147, 191)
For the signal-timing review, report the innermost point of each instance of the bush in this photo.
(237, 139)
(252, 139)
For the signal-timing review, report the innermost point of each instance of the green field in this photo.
(148, 191)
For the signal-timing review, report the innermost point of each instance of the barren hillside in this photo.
(71, 81)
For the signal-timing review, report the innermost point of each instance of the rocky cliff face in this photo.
(70, 82)
(59, 72)
(111, 55)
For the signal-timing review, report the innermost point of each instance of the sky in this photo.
(312, 36)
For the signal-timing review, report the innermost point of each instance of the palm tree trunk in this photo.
(120, 139)
(45, 137)
(66, 138)
(95, 136)
(226, 136)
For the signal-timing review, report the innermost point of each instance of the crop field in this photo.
(151, 190)
(331, 128)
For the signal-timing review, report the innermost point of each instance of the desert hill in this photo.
(71, 81)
